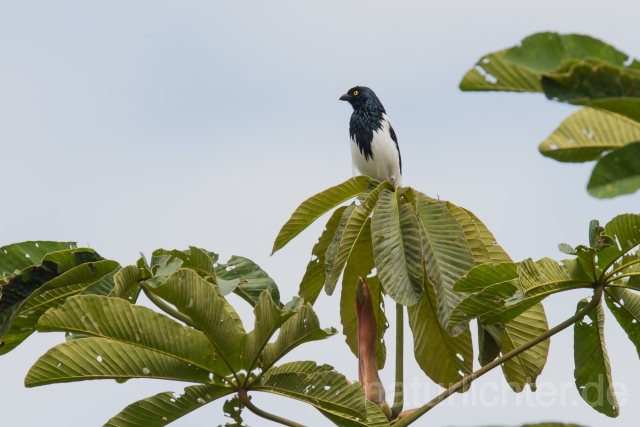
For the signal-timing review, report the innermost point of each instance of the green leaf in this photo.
(483, 276)
(361, 264)
(617, 173)
(193, 258)
(32, 292)
(625, 230)
(507, 298)
(102, 317)
(490, 341)
(303, 327)
(198, 299)
(314, 276)
(18, 256)
(127, 283)
(519, 69)
(527, 366)
(396, 249)
(269, 317)
(588, 81)
(493, 73)
(332, 250)
(625, 306)
(592, 372)
(324, 389)
(252, 279)
(446, 252)
(444, 358)
(314, 207)
(100, 358)
(164, 408)
(233, 409)
(353, 228)
(588, 133)
(374, 418)
(543, 52)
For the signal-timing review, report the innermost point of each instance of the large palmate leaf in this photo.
(102, 317)
(592, 371)
(396, 249)
(597, 83)
(520, 68)
(314, 207)
(588, 133)
(499, 297)
(493, 73)
(164, 408)
(617, 173)
(101, 358)
(361, 264)
(445, 359)
(198, 299)
(319, 386)
(625, 306)
(446, 252)
(18, 256)
(314, 276)
(527, 366)
(353, 228)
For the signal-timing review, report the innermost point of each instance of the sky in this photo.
(133, 125)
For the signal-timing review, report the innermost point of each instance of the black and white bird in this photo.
(374, 144)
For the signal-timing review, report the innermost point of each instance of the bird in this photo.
(374, 145)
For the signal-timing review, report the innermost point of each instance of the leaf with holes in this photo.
(18, 256)
(100, 317)
(165, 408)
(588, 133)
(321, 387)
(316, 206)
(592, 371)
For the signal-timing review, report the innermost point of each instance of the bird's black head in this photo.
(361, 96)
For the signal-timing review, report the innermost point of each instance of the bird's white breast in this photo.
(385, 164)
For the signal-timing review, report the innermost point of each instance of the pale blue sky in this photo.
(133, 125)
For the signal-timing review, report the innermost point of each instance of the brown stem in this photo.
(417, 413)
(367, 345)
(244, 398)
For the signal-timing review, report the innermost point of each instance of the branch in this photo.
(244, 398)
(415, 414)
(398, 398)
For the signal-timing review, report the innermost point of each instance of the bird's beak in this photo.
(345, 97)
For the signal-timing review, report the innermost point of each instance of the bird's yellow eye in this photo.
(355, 93)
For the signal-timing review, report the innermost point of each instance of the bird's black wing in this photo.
(395, 139)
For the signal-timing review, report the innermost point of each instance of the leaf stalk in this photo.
(244, 398)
